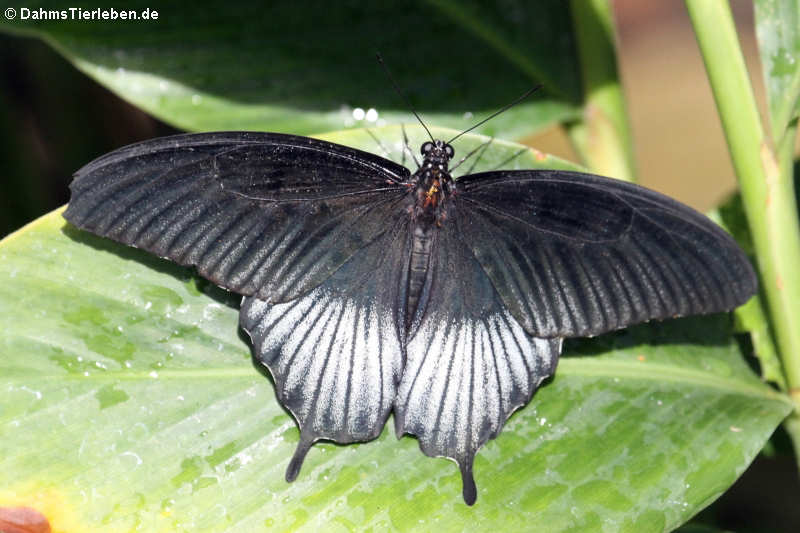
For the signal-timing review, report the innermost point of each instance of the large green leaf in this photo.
(778, 31)
(304, 66)
(129, 401)
(751, 317)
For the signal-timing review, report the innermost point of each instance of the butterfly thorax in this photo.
(433, 187)
(433, 183)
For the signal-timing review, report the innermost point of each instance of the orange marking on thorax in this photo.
(430, 196)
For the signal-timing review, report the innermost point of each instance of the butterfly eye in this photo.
(449, 151)
(426, 147)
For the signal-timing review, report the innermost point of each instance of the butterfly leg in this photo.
(386, 152)
(480, 149)
(505, 162)
(407, 148)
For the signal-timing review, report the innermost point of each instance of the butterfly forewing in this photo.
(259, 213)
(575, 254)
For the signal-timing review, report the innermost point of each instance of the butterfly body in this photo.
(432, 186)
(370, 289)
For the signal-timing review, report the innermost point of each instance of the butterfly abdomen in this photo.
(421, 246)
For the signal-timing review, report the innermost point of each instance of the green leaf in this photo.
(129, 400)
(778, 32)
(303, 67)
(751, 317)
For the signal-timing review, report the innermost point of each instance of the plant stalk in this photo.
(603, 137)
(765, 178)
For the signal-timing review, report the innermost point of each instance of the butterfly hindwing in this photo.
(469, 363)
(576, 254)
(261, 214)
(336, 352)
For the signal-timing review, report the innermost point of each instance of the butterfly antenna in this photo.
(402, 94)
(504, 109)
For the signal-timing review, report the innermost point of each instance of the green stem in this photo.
(764, 176)
(786, 153)
(603, 138)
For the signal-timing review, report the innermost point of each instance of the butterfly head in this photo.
(436, 155)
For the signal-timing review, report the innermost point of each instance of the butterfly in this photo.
(371, 289)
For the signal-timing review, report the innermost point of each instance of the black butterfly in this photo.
(370, 289)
